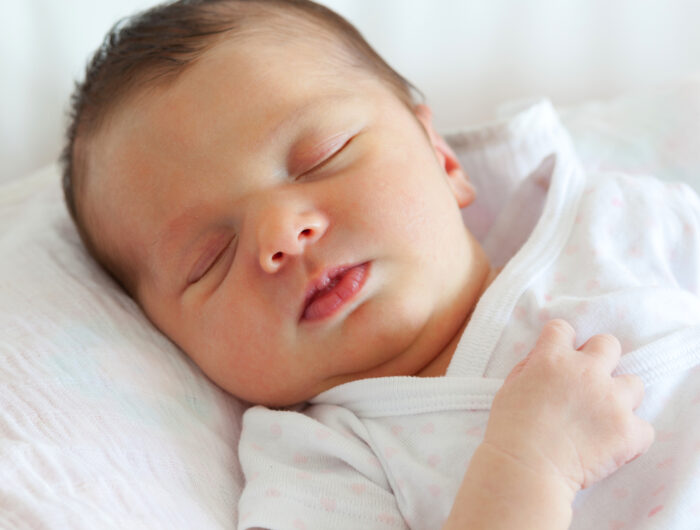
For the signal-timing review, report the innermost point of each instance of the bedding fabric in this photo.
(391, 452)
(105, 424)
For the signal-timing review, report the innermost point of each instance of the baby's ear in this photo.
(459, 182)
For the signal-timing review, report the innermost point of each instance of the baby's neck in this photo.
(439, 364)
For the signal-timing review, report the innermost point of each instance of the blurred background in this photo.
(466, 56)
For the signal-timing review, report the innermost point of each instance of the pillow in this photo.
(105, 423)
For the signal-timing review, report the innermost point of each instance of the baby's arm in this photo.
(560, 423)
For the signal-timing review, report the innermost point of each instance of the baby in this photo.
(268, 190)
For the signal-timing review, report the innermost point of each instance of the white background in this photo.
(466, 56)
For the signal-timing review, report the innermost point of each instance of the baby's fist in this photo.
(561, 412)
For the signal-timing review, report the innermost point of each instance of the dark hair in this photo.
(155, 46)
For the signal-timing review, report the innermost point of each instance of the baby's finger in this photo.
(555, 333)
(630, 388)
(643, 437)
(604, 347)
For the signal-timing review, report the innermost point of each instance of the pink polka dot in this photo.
(387, 518)
(428, 428)
(273, 492)
(373, 461)
(303, 475)
(434, 460)
(276, 430)
(328, 504)
(548, 297)
(299, 524)
(581, 307)
(616, 525)
(621, 493)
(665, 436)
(435, 490)
(664, 463)
(390, 451)
(655, 510)
(571, 250)
(616, 202)
(396, 429)
(300, 458)
(477, 430)
(519, 348)
(658, 490)
(544, 316)
(520, 313)
(358, 488)
(592, 285)
(256, 446)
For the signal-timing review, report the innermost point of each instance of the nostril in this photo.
(305, 233)
(277, 256)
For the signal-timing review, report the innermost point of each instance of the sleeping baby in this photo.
(277, 201)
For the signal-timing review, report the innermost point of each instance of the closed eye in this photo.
(328, 157)
(208, 261)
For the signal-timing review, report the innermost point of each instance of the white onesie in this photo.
(609, 253)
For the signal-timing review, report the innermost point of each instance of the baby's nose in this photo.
(287, 234)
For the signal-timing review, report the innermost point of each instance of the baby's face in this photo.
(291, 225)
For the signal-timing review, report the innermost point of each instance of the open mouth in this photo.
(333, 290)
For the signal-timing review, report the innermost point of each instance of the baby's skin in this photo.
(559, 423)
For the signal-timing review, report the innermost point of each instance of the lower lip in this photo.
(343, 292)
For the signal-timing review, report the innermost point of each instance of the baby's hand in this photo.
(561, 412)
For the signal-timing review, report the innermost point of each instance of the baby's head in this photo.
(263, 185)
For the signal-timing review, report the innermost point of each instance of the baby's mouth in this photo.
(332, 290)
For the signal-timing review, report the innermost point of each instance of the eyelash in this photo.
(213, 263)
(326, 160)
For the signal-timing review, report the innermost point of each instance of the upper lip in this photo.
(321, 281)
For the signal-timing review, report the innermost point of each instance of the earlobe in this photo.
(462, 189)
